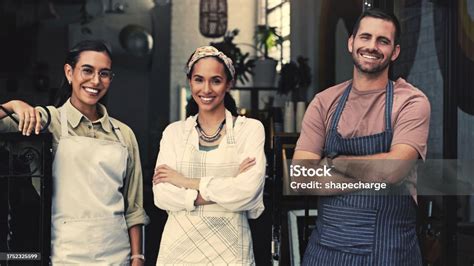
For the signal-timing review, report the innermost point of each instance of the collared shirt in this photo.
(79, 125)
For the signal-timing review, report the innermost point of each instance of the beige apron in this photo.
(209, 235)
(88, 224)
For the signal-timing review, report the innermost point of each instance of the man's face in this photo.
(373, 47)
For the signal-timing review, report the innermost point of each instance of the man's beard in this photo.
(372, 70)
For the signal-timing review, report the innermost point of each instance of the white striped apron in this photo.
(210, 234)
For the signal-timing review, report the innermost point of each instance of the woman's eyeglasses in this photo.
(105, 75)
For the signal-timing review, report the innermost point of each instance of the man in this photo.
(376, 120)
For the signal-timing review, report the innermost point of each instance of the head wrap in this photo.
(210, 51)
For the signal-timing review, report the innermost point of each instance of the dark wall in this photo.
(159, 106)
(33, 44)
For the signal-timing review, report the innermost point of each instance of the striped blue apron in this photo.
(364, 228)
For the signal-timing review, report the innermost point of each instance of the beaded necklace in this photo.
(210, 138)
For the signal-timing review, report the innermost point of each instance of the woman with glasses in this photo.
(97, 201)
(210, 171)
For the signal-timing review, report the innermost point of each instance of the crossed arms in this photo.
(390, 167)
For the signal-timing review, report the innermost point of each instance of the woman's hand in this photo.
(246, 164)
(137, 262)
(28, 117)
(166, 174)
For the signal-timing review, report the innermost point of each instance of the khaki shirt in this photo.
(79, 125)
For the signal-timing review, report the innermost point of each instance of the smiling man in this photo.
(352, 127)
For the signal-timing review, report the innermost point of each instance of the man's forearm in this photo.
(381, 167)
(328, 185)
(390, 168)
(327, 181)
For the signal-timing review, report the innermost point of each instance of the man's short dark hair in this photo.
(380, 14)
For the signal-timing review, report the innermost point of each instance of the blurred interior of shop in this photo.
(151, 42)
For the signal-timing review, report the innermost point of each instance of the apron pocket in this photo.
(348, 229)
(92, 240)
(109, 239)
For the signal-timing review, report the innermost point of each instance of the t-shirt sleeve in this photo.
(412, 124)
(313, 129)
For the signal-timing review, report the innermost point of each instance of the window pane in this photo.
(278, 15)
(285, 20)
(286, 51)
(274, 19)
(273, 3)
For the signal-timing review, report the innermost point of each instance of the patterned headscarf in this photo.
(210, 51)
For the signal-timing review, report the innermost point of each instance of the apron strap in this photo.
(189, 126)
(388, 106)
(229, 127)
(340, 107)
(64, 129)
(117, 131)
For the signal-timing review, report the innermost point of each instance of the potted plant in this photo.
(295, 77)
(242, 63)
(266, 38)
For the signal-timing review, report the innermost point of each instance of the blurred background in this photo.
(300, 45)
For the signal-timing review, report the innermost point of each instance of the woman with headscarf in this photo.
(210, 171)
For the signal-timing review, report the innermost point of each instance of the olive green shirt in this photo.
(79, 125)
